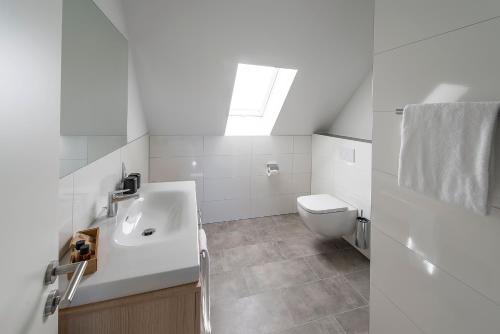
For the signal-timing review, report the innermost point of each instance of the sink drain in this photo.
(149, 231)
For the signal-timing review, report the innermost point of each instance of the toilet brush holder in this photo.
(362, 233)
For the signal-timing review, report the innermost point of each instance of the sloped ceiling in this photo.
(187, 51)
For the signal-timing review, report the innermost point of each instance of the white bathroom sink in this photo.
(132, 259)
(162, 214)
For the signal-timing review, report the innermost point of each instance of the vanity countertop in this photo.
(130, 262)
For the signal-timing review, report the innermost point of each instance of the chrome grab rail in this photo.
(205, 293)
(54, 298)
(205, 281)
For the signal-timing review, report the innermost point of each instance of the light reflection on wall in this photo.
(446, 92)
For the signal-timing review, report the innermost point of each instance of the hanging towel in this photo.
(446, 151)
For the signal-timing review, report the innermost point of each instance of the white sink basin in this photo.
(163, 211)
(130, 260)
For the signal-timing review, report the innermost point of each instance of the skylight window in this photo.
(258, 95)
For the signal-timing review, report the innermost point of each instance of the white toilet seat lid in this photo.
(322, 203)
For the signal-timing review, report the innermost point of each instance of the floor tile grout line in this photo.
(354, 309)
(330, 316)
(358, 270)
(338, 323)
(340, 313)
(282, 299)
(300, 284)
(303, 257)
(311, 268)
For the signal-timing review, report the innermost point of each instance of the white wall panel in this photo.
(386, 141)
(285, 162)
(302, 144)
(163, 146)
(176, 168)
(386, 318)
(65, 210)
(83, 194)
(135, 156)
(435, 301)
(218, 211)
(222, 166)
(226, 188)
(276, 205)
(455, 239)
(272, 144)
(322, 165)
(230, 172)
(399, 22)
(268, 186)
(331, 174)
(302, 163)
(459, 66)
(436, 263)
(221, 145)
(91, 186)
(301, 183)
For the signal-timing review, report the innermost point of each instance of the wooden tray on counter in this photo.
(92, 237)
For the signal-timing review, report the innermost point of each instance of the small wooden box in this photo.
(92, 237)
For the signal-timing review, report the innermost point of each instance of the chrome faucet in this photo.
(117, 196)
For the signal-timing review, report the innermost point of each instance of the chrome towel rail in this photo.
(205, 282)
(54, 298)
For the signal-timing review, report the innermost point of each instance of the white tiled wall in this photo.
(400, 22)
(83, 194)
(434, 266)
(350, 182)
(230, 172)
(78, 151)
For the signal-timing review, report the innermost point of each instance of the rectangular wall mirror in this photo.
(94, 86)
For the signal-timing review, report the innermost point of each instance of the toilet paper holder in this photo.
(272, 168)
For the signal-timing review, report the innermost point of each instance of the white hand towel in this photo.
(446, 151)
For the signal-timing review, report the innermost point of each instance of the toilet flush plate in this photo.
(347, 154)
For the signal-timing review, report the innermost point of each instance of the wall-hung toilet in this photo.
(327, 215)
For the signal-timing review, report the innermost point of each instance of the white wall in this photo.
(83, 194)
(348, 181)
(356, 118)
(78, 151)
(230, 172)
(331, 174)
(435, 266)
(30, 74)
(136, 118)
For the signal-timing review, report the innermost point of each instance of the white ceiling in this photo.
(187, 51)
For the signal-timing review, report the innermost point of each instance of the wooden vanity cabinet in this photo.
(174, 310)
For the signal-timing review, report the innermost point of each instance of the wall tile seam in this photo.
(436, 35)
(438, 266)
(373, 284)
(395, 176)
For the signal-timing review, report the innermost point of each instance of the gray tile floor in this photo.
(272, 275)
